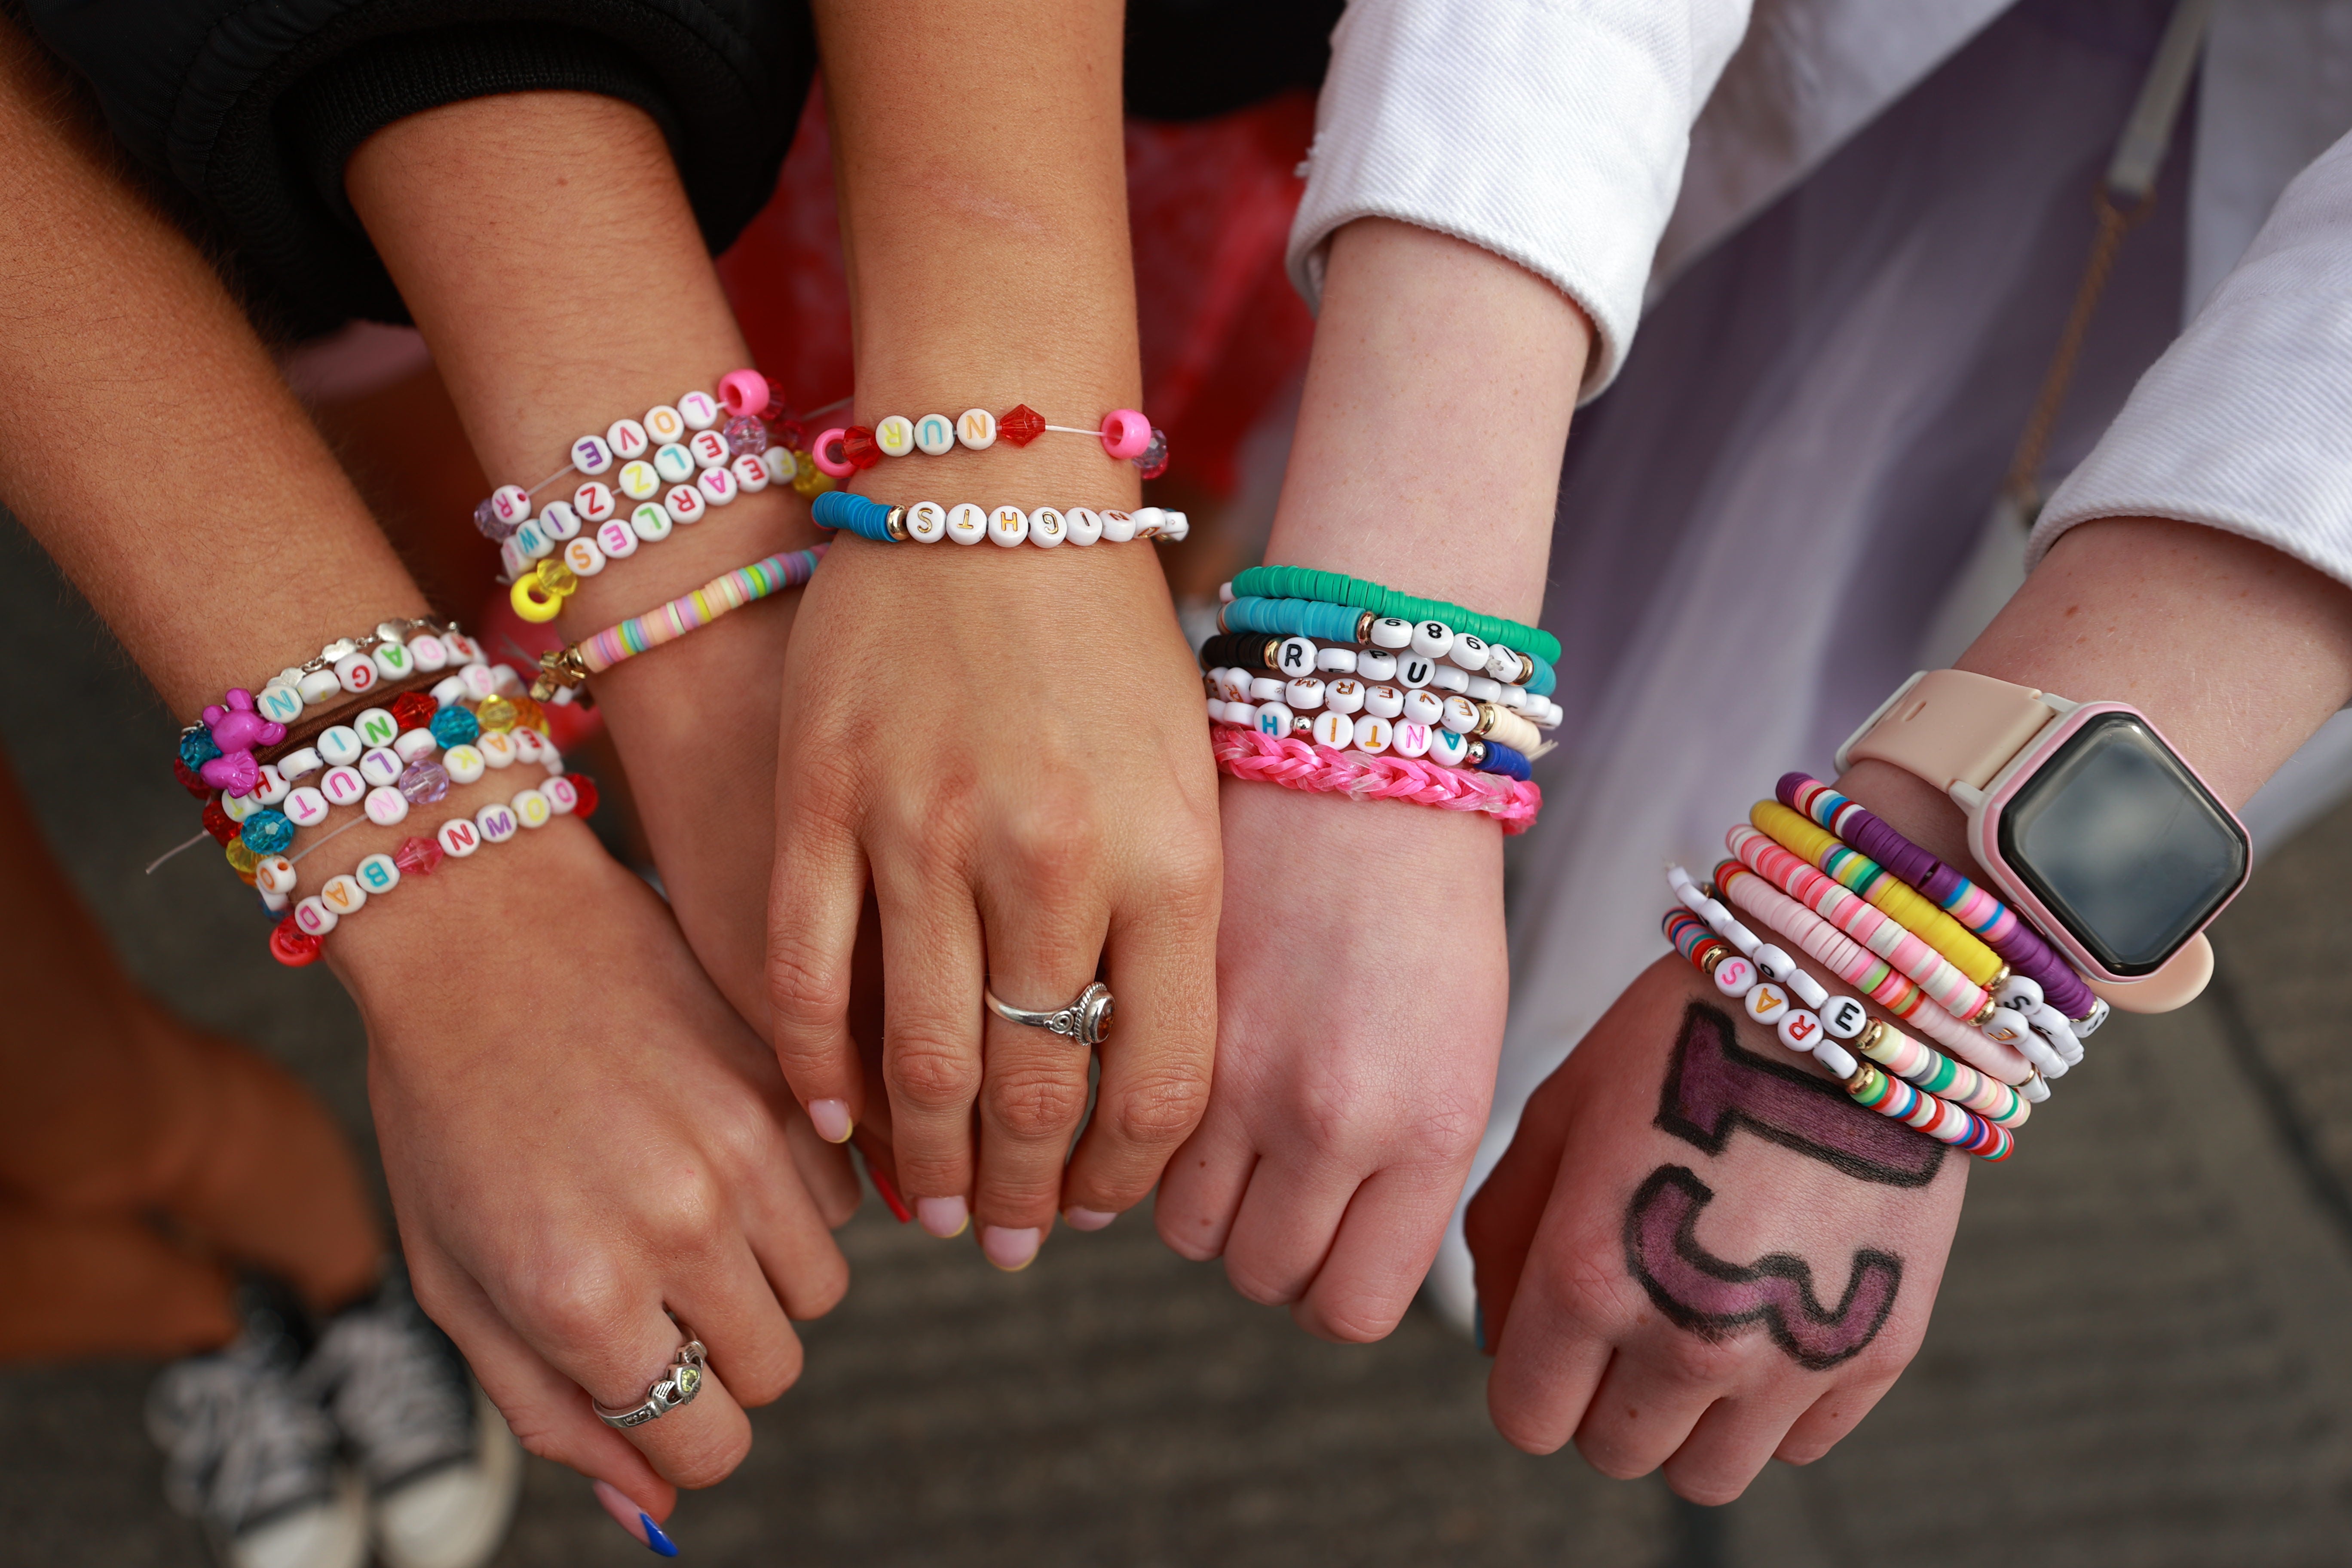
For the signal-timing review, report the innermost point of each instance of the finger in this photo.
(1387, 1240)
(825, 1171)
(1505, 1214)
(1157, 1061)
(1550, 1356)
(931, 976)
(736, 1313)
(1202, 1191)
(790, 1228)
(813, 909)
(1829, 1419)
(1731, 1444)
(1285, 1225)
(1040, 954)
(1649, 1400)
(546, 1410)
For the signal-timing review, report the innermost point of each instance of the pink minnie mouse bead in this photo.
(1125, 434)
(232, 773)
(743, 391)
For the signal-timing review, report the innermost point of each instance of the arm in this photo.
(233, 545)
(1007, 742)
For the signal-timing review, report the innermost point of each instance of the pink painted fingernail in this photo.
(1087, 1219)
(831, 1119)
(1009, 1248)
(943, 1217)
(634, 1520)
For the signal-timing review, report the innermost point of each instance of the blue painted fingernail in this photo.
(1479, 1325)
(656, 1541)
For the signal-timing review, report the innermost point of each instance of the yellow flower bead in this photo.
(535, 600)
(242, 860)
(495, 714)
(810, 480)
(557, 578)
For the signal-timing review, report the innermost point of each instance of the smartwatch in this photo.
(2086, 818)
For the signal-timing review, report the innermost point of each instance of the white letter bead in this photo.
(927, 522)
(512, 561)
(1469, 652)
(510, 502)
(1502, 663)
(430, 652)
(464, 764)
(497, 749)
(698, 409)
(301, 764)
(1448, 747)
(2020, 991)
(271, 787)
(1836, 1057)
(415, 744)
(717, 486)
(558, 520)
(639, 481)
(1513, 698)
(275, 874)
(1084, 525)
(563, 795)
(306, 807)
(340, 744)
(458, 839)
(1447, 678)
(1305, 693)
(895, 434)
(1336, 730)
(2085, 1028)
(1047, 528)
(1008, 526)
(1735, 977)
(449, 688)
(1383, 702)
(1345, 695)
(1767, 1002)
(530, 808)
(1265, 688)
(1414, 670)
(314, 917)
(934, 433)
(237, 807)
(664, 424)
(616, 538)
(650, 523)
(783, 466)
(494, 822)
(1336, 660)
(355, 672)
(1117, 527)
(1481, 689)
(1799, 1030)
(1294, 657)
(591, 454)
(751, 475)
(380, 765)
(384, 806)
(1373, 734)
(1411, 738)
(1424, 708)
(1375, 665)
(967, 524)
(1433, 640)
(683, 504)
(709, 449)
(377, 874)
(595, 503)
(1390, 633)
(318, 686)
(533, 540)
(2006, 1024)
(1774, 964)
(1273, 719)
(529, 746)
(673, 463)
(1845, 1018)
(479, 681)
(977, 429)
(582, 556)
(278, 704)
(375, 727)
(342, 787)
(1458, 714)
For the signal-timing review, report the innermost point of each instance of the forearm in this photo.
(155, 451)
(1438, 405)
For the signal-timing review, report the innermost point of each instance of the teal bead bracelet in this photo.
(1338, 588)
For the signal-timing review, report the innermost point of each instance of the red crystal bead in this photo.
(857, 447)
(1021, 424)
(787, 434)
(416, 857)
(218, 824)
(189, 780)
(292, 946)
(415, 709)
(587, 788)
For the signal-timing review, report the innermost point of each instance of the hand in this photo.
(580, 1134)
(1344, 1113)
(1010, 743)
(1698, 1253)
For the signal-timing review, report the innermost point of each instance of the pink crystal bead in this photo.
(746, 437)
(1153, 462)
(423, 782)
(416, 857)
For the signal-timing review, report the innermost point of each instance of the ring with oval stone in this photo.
(1087, 1018)
(677, 1386)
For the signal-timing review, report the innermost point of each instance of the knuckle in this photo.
(1254, 1281)
(1159, 1109)
(1694, 1361)
(929, 1076)
(1583, 1288)
(808, 994)
(1036, 1104)
(710, 1461)
(683, 1215)
(764, 1380)
(1053, 837)
(1612, 1459)
(1361, 1322)
(1707, 1491)
(1521, 1425)
(1185, 871)
(817, 1288)
(579, 1307)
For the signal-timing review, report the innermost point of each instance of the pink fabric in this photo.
(1303, 765)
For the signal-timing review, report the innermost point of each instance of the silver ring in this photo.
(677, 1386)
(1085, 1020)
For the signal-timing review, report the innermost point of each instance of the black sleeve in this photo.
(248, 109)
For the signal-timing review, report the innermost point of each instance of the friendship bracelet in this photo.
(1347, 696)
(1301, 765)
(1315, 621)
(1289, 657)
(1369, 733)
(560, 668)
(1858, 872)
(928, 522)
(1335, 587)
(1126, 435)
(1996, 925)
(541, 588)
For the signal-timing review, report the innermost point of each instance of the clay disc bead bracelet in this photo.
(1337, 588)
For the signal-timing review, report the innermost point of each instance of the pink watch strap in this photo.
(1953, 727)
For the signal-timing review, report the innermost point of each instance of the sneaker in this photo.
(441, 1470)
(250, 1454)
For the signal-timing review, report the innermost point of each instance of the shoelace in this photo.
(397, 1390)
(245, 1444)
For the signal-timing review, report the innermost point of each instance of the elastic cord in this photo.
(1306, 583)
(1853, 870)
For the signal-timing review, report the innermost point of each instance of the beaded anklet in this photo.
(1126, 435)
(1314, 621)
(1337, 588)
(1246, 753)
(560, 668)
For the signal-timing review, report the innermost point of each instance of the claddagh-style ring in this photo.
(1085, 1020)
(677, 1386)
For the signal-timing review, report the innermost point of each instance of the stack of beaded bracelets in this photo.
(1126, 435)
(928, 522)
(1277, 718)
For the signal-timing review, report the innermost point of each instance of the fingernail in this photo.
(1009, 1248)
(1087, 1219)
(943, 1217)
(831, 1119)
(634, 1520)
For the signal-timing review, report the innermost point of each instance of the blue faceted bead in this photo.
(196, 748)
(268, 832)
(453, 726)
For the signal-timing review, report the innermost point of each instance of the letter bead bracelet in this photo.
(928, 522)
(1319, 621)
(1282, 659)
(1125, 435)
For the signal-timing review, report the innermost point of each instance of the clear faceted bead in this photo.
(423, 782)
(1153, 462)
(746, 437)
(416, 857)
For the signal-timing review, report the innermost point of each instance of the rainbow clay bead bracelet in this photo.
(561, 668)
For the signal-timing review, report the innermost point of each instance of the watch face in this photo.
(2118, 840)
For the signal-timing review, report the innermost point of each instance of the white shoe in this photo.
(457, 1516)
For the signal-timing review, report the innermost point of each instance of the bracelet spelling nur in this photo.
(1302, 765)
(1125, 435)
(560, 668)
